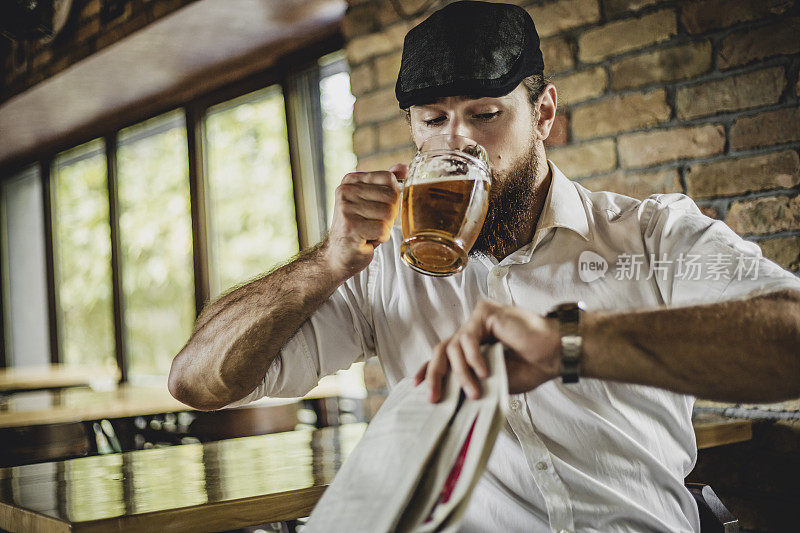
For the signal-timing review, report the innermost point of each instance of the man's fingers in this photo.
(381, 177)
(473, 334)
(368, 230)
(458, 363)
(471, 346)
(509, 326)
(419, 377)
(370, 210)
(356, 191)
(462, 353)
(437, 368)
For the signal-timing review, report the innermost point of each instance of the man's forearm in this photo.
(744, 350)
(238, 336)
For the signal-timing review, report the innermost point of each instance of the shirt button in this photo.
(541, 465)
(514, 404)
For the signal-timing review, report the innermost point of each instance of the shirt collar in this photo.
(563, 207)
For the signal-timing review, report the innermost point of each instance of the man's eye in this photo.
(487, 116)
(434, 121)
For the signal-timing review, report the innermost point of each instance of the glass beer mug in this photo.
(444, 202)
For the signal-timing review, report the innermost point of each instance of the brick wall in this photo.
(93, 25)
(698, 97)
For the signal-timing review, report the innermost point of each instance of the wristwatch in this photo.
(569, 322)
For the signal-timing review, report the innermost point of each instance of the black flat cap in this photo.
(468, 48)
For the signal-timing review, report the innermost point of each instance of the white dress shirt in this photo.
(592, 456)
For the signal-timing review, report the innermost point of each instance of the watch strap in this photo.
(568, 316)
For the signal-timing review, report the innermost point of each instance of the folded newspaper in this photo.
(417, 463)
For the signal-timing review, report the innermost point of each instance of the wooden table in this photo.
(84, 404)
(203, 487)
(54, 376)
(716, 430)
(195, 487)
(52, 425)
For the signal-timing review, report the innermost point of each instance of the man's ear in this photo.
(546, 111)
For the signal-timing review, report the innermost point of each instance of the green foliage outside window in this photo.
(156, 242)
(252, 225)
(83, 255)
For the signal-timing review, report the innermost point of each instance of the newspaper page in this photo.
(417, 463)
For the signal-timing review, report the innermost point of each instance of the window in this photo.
(337, 125)
(82, 253)
(270, 158)
(24, 274)
(155, 242)
(251, 210)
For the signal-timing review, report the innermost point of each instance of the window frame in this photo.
(295, 73)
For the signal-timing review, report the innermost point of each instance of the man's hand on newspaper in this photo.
(532, 350)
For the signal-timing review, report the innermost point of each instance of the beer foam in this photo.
(445, 166)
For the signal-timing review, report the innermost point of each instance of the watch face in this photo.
(571, 347)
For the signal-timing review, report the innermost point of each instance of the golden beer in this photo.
(444, 202)
(441, 220)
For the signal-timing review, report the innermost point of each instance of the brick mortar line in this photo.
(682, 169)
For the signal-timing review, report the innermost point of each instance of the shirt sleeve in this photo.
(696, 259)
(336, 335)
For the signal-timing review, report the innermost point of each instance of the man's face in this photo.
(503, 125)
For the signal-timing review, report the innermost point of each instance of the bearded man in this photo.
(599, 435)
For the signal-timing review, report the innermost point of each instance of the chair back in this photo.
(714, 516)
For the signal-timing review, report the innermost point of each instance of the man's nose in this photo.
(456, 126)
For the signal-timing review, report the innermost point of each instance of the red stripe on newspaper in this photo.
(455, 472)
